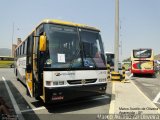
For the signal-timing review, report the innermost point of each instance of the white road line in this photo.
(112, 103)
(16, 108)
(39, 108)
(100, 98)
(146, 97)
(157, 98)
(130, 75)
(127, 72)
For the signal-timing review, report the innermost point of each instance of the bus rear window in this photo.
(142, 53)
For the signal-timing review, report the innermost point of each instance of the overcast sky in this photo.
(139, 20)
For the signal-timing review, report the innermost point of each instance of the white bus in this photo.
(61, 61)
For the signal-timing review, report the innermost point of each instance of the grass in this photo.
(5, 64)
(127, 66)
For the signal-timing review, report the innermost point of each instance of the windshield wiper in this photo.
(77, 52)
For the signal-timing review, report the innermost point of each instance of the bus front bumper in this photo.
(61, 94)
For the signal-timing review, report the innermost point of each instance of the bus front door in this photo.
(29, 66)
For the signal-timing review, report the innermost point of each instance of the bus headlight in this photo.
(102, 80)
(61, 82)
(58, 83)
(48, 83)
(55, 83)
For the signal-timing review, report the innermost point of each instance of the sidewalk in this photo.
(127, 98)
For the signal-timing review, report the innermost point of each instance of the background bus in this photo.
(61, 60)
(110, 60)
(6, 61)
(142, 61)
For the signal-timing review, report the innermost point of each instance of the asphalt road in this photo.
(150, 86)
(29, 108)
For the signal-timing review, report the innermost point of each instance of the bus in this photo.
(61, 61)
(6, 61)
(142, 61)
(110, 60)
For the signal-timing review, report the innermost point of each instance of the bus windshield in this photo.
(142, 53)
(65, 49)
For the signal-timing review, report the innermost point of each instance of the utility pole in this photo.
(116, 43)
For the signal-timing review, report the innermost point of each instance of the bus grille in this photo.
(84, 81)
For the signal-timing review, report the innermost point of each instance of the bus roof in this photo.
(61, 22)
(109, 52)
(143, 49)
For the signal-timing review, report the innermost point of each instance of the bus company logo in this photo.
(57, 74)
(64, 74)
(83, 81)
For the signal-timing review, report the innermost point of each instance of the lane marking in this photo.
(130, 75)
(16, 108)
(41, 108)
(127, 72)
(157, 98)
(146, 97)
(112, 103)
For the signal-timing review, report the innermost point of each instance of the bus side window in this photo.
(19, 51)
(29, 52)
(23, 48)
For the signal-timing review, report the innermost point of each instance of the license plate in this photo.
(57, 98)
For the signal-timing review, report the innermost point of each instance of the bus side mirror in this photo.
(42, 43)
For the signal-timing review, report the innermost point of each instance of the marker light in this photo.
(48, 83)
(102, 80)
(61, 82)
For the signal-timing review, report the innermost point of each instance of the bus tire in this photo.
(134, 74)
(37, 97)
(16, 74)
(154, 75)
(27, 92)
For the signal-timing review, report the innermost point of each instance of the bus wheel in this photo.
(27, 92)
(37, 97)
(16, 74)
(154, 75)
(134, 74)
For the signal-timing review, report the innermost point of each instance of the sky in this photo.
(139, 20)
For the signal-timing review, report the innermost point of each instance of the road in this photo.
(30, 108)
(150, 86)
